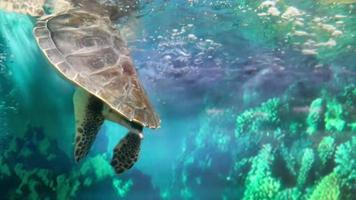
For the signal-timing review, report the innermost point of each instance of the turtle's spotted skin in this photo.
(88, 125)
(87, 50)
(126, 153)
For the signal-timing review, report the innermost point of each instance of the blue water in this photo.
(203, 64)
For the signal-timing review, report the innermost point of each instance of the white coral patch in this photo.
(337, 33)
(274, 11)
(329, 43)
(267, 4)
(309, 52)
(291, 12)
(300, 33)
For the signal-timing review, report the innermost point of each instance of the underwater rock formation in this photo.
(33, 167)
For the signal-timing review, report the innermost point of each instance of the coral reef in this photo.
(264, 118)
(256, 100)
(306, 165)
(315, 117)
(345, 163)
(33, 167)
(327, 189)
(279, 150)
(326, 149)
(324, 133)
(259, 182)
(334, 120)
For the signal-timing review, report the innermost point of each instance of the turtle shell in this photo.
(88, 51)
(33, 7)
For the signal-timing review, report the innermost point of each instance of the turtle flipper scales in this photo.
(88, 119)
(126, 152)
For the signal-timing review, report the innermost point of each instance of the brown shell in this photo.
(88, 51)
(33, 7)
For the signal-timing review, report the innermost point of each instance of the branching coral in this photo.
(333, 114)
(334, 119)
(306, 165)
(291, 168)
(327, 189)
(265, 117)
(289, 159)
(260, 185)
(316, 116)
(324, 114)
(326, 149)
(346, 164)
(289, 194)
(348, 99)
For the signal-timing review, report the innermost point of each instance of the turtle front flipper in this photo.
(126, 152)
(88, 119)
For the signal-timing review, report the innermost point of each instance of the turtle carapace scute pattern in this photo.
(88, 51)
(80, 41)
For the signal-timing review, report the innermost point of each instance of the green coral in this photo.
(264, 117)
(349, 95)
(327, 189)
(260, 185)
(101, 167)
(334, 118)
(289, 160)
(324, 114)
(122, 188)
(326, 149)
(348, 99)
(66, 187)
(333, 114)
(41, 177)
(345, 162)
(306, 165)
(315, 116)
(4, 169)
(289, 194)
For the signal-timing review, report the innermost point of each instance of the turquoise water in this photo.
(257, 101)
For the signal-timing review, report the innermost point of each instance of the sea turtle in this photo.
(81, 43)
